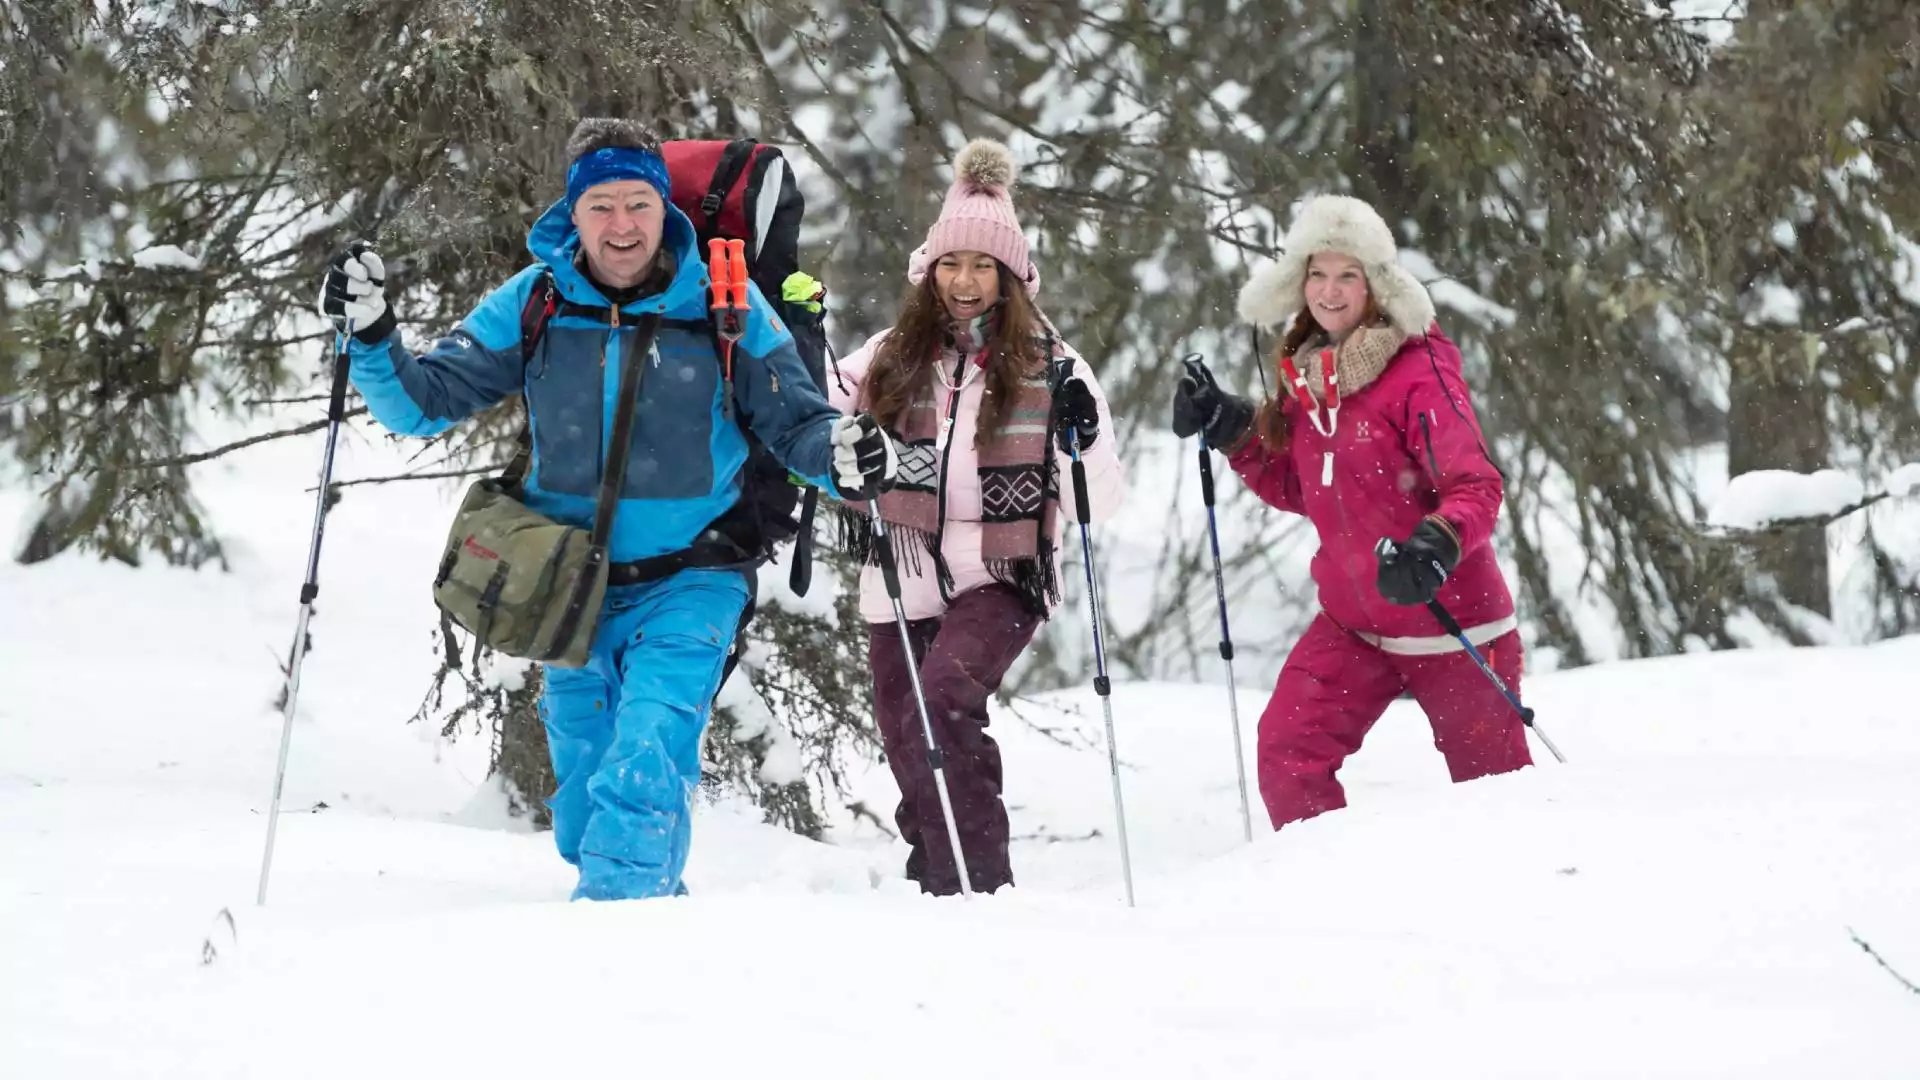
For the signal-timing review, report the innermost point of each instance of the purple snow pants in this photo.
(962, 657)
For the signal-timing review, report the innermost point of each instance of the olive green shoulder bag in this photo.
(520, 582)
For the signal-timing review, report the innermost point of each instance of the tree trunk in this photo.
(1777, 419)
(520, 751)
(1382, 116)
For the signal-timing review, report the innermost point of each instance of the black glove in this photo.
(1411, 572)
(864, 458)
(1075, 413)
(355, 289)
(1199, 405)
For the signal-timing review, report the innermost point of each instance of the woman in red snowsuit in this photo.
(1372, 436)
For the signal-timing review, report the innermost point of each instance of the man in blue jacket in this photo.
(623, 731)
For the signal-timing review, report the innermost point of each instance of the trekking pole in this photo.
(1259, 365)
(890, 570)
(800, 576)
(1452, 626)
(1101, 684)
(336, 411)
(1526, 714)
(1226, 635)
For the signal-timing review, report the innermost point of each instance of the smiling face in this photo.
(967, 282)
(620, 223)
(1336, 292)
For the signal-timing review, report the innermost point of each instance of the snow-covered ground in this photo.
(1677, 901)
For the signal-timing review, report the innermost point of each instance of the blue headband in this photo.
(616, 163)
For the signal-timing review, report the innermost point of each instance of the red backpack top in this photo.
(741, 189)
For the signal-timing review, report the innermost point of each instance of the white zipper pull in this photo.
(1326, 469)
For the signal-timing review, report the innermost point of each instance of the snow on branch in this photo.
(1780, 500)
(166, 257)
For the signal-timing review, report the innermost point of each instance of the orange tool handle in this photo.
(717, 270)
(737, 272)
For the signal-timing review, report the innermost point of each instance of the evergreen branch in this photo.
(904, 37)
(251, 440)
(1878, 959)
(814, 152)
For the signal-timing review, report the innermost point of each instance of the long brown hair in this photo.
(1270, 420)
(904, 362)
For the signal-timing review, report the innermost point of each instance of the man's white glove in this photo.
(864, 457)
(355, 293)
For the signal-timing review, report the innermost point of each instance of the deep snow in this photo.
(1677, 901)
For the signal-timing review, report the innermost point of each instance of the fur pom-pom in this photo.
(985, 163)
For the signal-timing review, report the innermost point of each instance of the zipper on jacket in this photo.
(946, 455)
(1433, 467)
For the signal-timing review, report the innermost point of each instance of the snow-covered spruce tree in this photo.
(177, 176)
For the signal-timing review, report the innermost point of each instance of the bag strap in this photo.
(633, 375)
(733, 162)
(542, 301)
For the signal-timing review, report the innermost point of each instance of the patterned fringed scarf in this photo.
(1019, 489)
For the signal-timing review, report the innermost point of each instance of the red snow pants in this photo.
(1335, 685)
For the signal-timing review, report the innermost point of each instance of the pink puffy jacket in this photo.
(960, 487)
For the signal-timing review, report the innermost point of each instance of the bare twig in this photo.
(862, 812)
(308, 400)
(1878, 959)
(1046, 837)
(1075, 741)
(444, 475)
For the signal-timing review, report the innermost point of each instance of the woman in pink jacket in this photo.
(978, 395)
(1373, 436)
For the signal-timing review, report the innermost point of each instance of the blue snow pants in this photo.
(624, 731)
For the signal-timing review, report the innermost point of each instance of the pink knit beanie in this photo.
(978, 216)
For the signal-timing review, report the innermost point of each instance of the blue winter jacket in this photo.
(684, 463)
